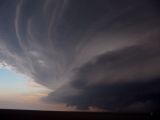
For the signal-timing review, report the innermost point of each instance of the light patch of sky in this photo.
(14, 83)
(17, 87)
(17, 91)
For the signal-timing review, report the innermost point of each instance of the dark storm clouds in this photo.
(125, 80)
(90, 52)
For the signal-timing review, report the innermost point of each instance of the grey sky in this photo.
(72, 46)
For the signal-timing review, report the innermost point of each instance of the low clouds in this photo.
(116, 81)
(133, 96)
(76, 48)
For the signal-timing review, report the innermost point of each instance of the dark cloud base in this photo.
(127, 88)
(134, 96)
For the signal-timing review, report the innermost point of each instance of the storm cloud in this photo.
(89, 52)
(123, 80)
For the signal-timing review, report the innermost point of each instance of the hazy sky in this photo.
(80, 55)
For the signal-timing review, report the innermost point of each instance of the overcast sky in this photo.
(87, 54)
